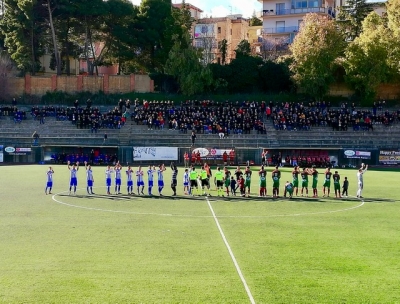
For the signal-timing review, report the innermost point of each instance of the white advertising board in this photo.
(155, 153)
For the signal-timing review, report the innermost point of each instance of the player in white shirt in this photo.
(73, 176)
(109, 171)
(118, 171)
(89, 178)
(129, 180)
(49, 184)
(186, 182)
(360, 179)
(139, 180)
(160, 175)
(150, 178)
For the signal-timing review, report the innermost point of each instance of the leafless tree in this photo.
(273, 47)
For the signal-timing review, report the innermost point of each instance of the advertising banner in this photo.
(204, 30)
(389, 157)
(357, 154)
(1, 154)
(17, 151)
(154, 153)
(211, 153)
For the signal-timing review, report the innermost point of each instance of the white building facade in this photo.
(282, 18)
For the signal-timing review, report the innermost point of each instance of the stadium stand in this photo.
(244, 124)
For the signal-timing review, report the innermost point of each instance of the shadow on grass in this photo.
(117, 197)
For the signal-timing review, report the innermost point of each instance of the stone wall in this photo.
(385, 91)
(39, 85)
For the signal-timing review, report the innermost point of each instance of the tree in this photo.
(118, 33)
(56, 53)
(223, 49)
(314, 50)
(184, 64)
(68, 29)
(23, 28)
(244, 77)
(6, 64)
(221, 75)
(254, 21)
(274, 47)
(156, 41)
(243, 48)
(92, 15)
(367, 56)
(275, 77)
(351, 16)
(393, 18)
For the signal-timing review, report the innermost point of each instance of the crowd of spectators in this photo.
(13, 112)
(302, 158)
(304, 116)
(214, 117)
(207, 116)
(92, 158)
(85, 117)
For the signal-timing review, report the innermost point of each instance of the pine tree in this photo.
(351, 16)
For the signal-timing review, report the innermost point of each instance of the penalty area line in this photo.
(246, 287)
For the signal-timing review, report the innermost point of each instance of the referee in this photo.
(219, 181)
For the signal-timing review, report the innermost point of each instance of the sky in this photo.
(221, 8)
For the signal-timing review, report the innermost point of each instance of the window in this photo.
(300, 4)
(299, 23)
(280, 26)
(313, 3)
(280, 8)
(219, 30)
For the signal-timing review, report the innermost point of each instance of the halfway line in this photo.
(231, 254)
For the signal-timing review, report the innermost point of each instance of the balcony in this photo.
(280, 30)
(292, 11)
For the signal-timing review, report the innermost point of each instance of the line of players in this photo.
(116, 172)
(225, 182)
(197, 183)
(229, 183)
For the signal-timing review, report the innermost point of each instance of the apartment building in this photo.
(209, 33)
(255, 39)
(195, 12)
(282, 18)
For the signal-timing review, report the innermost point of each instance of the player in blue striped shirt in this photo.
(139, 181)
(186, 181)
(129, 181)
(109, 171)
(89, 178)
(160, 175)
(150, 179)
(117, 171)
(73, 182)
(49, 184)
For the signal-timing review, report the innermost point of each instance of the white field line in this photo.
(103, 210)
(246, 287)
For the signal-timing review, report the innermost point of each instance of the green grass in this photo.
(169, 250)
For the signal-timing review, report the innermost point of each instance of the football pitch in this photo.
(139, 249)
